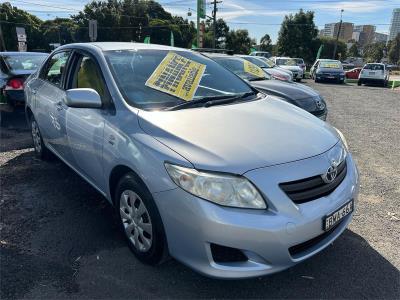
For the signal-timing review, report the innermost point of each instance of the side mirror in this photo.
(83, 98)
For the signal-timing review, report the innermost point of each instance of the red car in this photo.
(353, 73)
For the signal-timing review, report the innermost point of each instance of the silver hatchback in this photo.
(198, 164)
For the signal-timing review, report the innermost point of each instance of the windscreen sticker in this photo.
(177, 76)
(253, 69)
(333, 66)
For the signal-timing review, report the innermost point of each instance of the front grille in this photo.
(311, 188)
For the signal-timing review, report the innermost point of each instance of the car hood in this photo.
(292, 90)
(330, 70)
(291, 68)
(275, 71)
(239, 137)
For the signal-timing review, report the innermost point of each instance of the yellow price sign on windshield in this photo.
(177, 75)
(253, 69)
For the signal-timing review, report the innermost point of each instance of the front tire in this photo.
(140, 221)
(41, 150)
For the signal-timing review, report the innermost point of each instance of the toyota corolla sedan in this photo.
(197, 163)
(294, 93)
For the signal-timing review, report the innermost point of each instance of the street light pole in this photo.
(338, 33)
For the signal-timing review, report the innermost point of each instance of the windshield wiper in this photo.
(210, 101)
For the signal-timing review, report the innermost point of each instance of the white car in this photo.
(291, 65)
(374, 73)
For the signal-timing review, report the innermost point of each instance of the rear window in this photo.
(374, 67)
(24, 62)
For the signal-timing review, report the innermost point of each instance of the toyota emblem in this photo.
(330, 174)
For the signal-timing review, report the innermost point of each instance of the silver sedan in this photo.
(198, 164)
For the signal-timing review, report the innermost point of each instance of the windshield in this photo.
(331, 65)
(269, 62)
(374, 67)
(236, 65)
(257, 61)
(286, 62)
(149, 80)
(24, 62)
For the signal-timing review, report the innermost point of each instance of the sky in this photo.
(257, 16)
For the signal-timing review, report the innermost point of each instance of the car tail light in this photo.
(15, 84)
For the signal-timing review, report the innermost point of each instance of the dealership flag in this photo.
(172, 39)
(146, 40)
(319, 51)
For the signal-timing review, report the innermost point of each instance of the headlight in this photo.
(228, 190)
(342, 138)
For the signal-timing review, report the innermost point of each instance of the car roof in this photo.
(15, 53)
(110, 46)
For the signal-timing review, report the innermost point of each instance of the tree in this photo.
(394, 50)
(12, 17)
(374, 52)
(328, 48)
(239, 41)
(297, 36)
(59, 30)
(266, 43)
(353, 51)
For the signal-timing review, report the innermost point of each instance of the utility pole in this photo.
(338, 33)
(214, 15)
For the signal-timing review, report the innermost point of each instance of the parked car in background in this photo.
(327, 70)
(268, 67)
(294, 93)
(353, 73)
(289, 64)
(15, 67)
(227, 180)
(374, 73)
(301, 64)
(265, 54)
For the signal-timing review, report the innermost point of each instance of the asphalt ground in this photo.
(59, 237)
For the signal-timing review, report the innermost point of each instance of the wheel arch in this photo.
(117, 173)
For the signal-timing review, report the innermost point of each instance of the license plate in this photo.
(331, 77)
(334, 218)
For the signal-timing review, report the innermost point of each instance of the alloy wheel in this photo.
(136, 220)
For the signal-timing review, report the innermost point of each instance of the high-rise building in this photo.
(394, 29)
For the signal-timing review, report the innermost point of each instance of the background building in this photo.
(364, 34)
(394, 24)
(331, 30)
(380, 37)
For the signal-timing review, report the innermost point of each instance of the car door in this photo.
(49, 93)
(84, 127)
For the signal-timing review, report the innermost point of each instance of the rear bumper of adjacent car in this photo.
(371, 79)
(271, 240)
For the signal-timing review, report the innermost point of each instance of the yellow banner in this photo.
(177, 76)
(253, 69)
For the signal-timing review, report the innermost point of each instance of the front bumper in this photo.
(264, 236)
